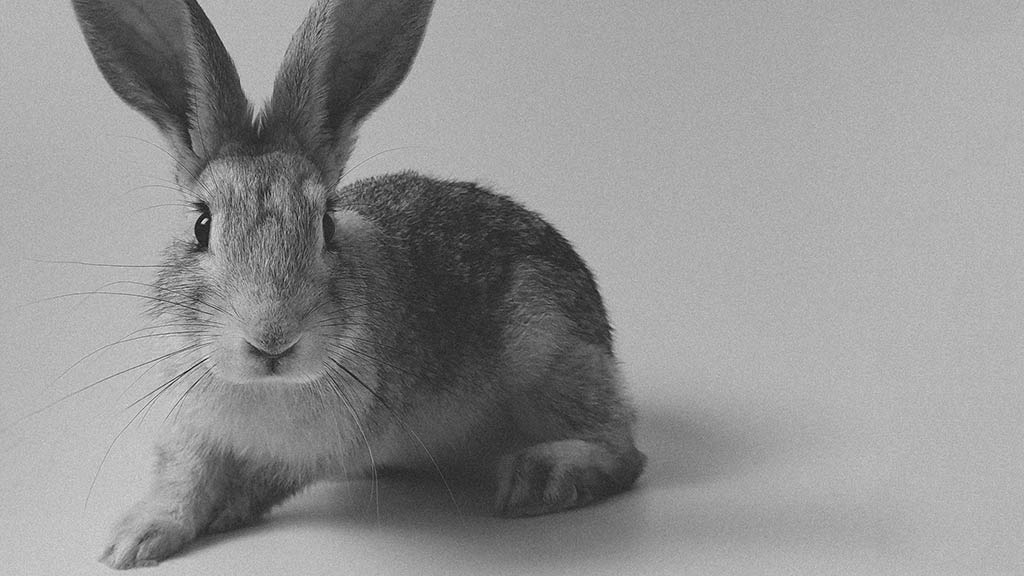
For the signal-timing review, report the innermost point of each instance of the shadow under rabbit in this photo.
(702, 443)
(684, 447)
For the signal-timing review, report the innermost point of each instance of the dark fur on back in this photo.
(462, 244)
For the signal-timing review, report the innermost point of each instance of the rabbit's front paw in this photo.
(144, 540)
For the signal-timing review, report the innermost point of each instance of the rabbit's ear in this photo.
(346, 58)
(165, 60)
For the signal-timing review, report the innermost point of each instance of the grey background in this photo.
(805, 218)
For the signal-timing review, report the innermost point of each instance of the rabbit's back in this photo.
(473, 260)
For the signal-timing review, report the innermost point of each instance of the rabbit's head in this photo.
(272, 267)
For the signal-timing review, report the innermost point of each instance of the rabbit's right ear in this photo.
(165, 60)
(345, 60)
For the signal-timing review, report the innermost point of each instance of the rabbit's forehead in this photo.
(274, 186)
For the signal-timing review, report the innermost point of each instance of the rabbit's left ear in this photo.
(345, 60)
(165, 60)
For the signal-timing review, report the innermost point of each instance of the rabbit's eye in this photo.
(202, 229)
(328, 228)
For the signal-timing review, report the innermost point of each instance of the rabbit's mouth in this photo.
(272, 361)
(280, 361)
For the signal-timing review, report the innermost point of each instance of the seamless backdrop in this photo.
(805, 217)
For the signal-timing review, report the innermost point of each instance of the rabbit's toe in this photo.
(145, 541)
(560, 475)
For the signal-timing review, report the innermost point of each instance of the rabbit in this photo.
(399, 322)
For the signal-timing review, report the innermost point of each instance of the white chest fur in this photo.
(300, 426)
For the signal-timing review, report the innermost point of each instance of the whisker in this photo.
(58, 297)
(109, 293)
(83, 389)
(364, 304)
(407, 428)
(129, 338)
(440, 474)
(349, 171)
(103, 460)
(168, 205)
(174, 158)
(190, 297)
(95, 264)
(128, 388)
(134, 295)
(172, 187)
(374, 486)
(177, 404)
(352, 375)
(375, 343)
(156, 392)
(339, 346)
(106, 453)
(322, 304)
(360, 305)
